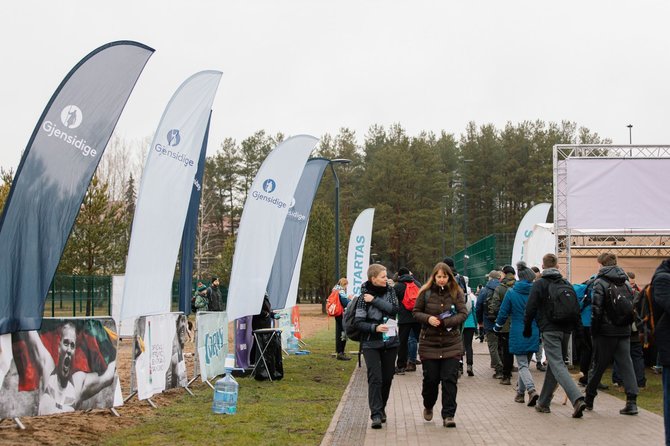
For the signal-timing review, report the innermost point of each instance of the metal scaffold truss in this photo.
(574, 242)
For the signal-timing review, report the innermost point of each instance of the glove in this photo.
(527, 331)
(497, 328)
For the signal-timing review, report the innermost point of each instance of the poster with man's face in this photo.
(159, 353)
(69, 365)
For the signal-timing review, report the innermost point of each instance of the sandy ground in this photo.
(82, 428)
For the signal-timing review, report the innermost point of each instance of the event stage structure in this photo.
(611, 198)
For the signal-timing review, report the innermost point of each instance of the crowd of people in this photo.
(524, 314)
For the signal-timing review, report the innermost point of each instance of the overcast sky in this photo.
(313, 66)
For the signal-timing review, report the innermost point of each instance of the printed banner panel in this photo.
(159, 353)
(244, 337)
(69, 365)
(358, 256)
(212, 342)
(285, 324)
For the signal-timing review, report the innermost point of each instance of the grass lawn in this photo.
(296, 410)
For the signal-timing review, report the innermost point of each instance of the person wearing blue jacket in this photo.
(469, 330)
(514, 307)
(487, 325)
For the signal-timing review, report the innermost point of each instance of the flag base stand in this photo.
(17, 423)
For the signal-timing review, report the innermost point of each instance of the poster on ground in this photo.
(158, 349)
(66, 366)
(212, 342)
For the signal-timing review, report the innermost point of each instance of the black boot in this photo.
(631, 406)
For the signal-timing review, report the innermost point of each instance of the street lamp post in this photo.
(444, 227)
(630, 134)
(465, 218)
(337, 214)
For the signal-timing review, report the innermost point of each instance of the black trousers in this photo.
(505, 355)
(468, 335)
(380, 363)
(340, 336)
(585, 353)
(436, 372)
(404, 330)
(609, 349)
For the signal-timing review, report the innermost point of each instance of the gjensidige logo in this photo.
(71, 116)
(269, 185)
(292, 213)
(173, 137)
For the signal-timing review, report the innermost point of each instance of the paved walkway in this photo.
(486, 415)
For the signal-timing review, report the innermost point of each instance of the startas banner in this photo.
(159, 353)
(290, 242)
(262, 222)
(55, 171)
(536, 214)
(212, 342)
(69, 365)
(189, 235)
(164, 196)
(358, 256)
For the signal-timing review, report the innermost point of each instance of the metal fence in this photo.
(79, 296)
(484, 255)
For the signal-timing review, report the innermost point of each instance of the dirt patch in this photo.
(83, 428)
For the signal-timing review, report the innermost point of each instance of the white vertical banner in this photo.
(358, 256)
(262, 222)
(536, 214)
(164, 195)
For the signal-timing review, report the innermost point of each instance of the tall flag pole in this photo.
(289, 252)
(358, 256)
(54, 173)
(164, 195)
(188, 237)
(262, 223)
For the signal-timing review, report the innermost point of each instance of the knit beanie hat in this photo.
(202, 288)
(524, 272)
(508, 269)
(449, 261)
(402, 271)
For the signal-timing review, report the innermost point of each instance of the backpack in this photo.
(198, 302)
(619, 304)
(492, 305)
(562, 303)
(333, 304)
(348, 320)
(411, 292)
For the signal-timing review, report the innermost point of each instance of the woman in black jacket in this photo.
(379, 340)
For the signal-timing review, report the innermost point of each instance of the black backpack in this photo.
(562, 306)
(493, 305)
(348, 320)
(619, 304)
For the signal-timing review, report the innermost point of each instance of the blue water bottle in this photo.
(225, 394)
(385, 335)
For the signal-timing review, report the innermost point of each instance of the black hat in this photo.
(403, 271)
(524, 272)
(508, 269)
(449, 261)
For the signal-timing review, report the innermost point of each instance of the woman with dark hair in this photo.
(441, 310)
(379, 338)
